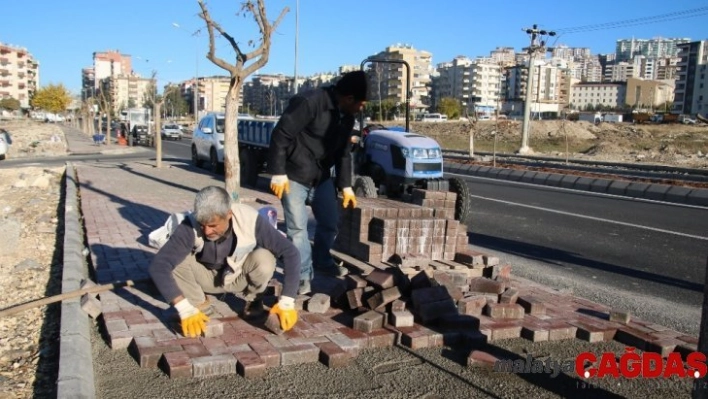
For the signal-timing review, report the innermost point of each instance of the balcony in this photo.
(4, 82)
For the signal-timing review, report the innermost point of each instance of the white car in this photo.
(208, 141)
(171, 131)
(4, 143)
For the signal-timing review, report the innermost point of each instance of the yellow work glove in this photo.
(279, 184)
(192, 320)
(349, 197)
(285, 310)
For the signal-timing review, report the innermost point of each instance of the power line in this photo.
(637, 21)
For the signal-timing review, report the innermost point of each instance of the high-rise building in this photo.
(19, 74)
(627, 49)
(691, 93)
(475, 83)
(110, 64)
(391, 78)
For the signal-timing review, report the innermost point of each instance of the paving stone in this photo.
(532, 305)
(398, 305)
(369, 321)
(267, 352)
(504, 311)
(381, 279)
(298, 354)
(383, 298)
(381, 338)
(431, 311)
(477, 358)
(176, 364)
(620, 316)
(196, 350)
(272, 323)
(663, 346)
(354, 298)
(472, 305)
(560, 331)
(319, 303)
(355, 281)
(510, 295)
(148, 353)
(214, 328)
(360, 338)
(486, 285)
(333, 356)
(230, 349)
(91, 305)
(402, 318)
(249, 365)
(505, 330)
(344, 342)
(208, 366)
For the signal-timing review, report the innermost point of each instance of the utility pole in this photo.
(537, 46)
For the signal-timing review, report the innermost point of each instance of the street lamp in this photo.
(195, 87)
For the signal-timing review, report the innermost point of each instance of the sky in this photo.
(63, 35)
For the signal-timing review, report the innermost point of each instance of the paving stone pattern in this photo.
(438, 292)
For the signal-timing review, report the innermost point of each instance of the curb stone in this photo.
(76, 378)
(658, 192)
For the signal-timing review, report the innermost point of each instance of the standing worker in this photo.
(312, 136)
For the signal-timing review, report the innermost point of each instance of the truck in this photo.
(590, 117)
(138, 124)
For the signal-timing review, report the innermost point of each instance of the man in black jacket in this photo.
(311, 138)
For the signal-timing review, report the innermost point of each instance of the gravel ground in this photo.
(31, 243)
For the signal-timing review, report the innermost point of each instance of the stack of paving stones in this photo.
(420, 286)
(408, 233)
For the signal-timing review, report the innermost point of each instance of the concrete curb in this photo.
(76, 379)
(657, 192)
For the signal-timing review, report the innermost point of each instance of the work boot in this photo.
(254, 309)
(304, 288)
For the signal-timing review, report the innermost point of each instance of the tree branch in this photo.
(211, 25)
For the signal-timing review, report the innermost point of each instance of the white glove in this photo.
(286, 303)
(279, 185)
(185, 309)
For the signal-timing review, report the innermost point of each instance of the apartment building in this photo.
(391, 78)
(546, 95)
(476, 82)
(504, 55)
(621, 71)
(268, 94)
(627, 49)
(691, 93)
(110, 64)
(19, 74)
(125, 91)
(648, 93)
(570, 53)
(606, 94)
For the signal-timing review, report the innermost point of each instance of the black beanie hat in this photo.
(354, 84)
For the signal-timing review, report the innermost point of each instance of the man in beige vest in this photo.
(224, 247)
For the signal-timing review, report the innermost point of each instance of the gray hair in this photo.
(211, 201)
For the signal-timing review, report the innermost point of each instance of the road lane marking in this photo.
(597, 219)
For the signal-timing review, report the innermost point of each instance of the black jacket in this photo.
(311, 137)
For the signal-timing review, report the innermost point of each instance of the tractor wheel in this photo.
(249, 173)
(463, 203)
(364, 187)
(195, 157)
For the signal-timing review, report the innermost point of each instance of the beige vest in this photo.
(243, 222)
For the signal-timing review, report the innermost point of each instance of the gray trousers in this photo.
(195, 280)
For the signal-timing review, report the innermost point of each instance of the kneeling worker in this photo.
(224, 248)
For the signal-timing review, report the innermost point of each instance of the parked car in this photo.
(208, 141)
(171, 131)
(5, 142)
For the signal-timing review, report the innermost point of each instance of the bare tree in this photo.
(238, 72)
(105, 107)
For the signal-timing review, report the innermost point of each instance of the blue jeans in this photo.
(324, 203)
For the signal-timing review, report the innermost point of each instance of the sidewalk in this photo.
(122, 202)
(79, 143)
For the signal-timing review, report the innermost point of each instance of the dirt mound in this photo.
(32, 139)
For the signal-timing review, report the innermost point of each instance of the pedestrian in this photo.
(311, 138)
(223, 247)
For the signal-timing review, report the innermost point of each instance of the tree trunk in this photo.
(158, 136)
(232, 167)
(108, 127)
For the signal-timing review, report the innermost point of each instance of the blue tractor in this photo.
(393, 161)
